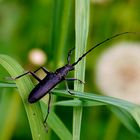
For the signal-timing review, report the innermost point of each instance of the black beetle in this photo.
(53, 78)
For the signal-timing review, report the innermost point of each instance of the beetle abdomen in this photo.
(43, 88)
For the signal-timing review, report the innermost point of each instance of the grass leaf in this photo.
(127, 112)
(2, 84)
(8, 118)
(24, 86)
(81, 27)
(33, 111)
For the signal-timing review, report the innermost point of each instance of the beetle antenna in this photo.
(80, 58)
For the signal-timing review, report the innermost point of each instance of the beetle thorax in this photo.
(63, 71)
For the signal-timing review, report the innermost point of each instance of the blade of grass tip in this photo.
(81, 27)
(24, 86)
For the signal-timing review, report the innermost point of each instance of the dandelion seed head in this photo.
(118, 72)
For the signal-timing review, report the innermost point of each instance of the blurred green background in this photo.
(50, 26)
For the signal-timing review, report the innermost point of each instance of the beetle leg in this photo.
(67, 88)
(73, 79)
(28, 72)
(69, 54)
(33, 73)
(48, 111)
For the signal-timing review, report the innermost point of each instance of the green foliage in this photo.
(81, 27)
(24, 86)
(50, 25)
(127, 112)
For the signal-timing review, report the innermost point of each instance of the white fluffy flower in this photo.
(118, 72)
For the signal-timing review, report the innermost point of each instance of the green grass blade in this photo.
(9, 116)
(128, 119)
(34, 112)
(2, 84)
(81, 27)
(98, 98)
(128, 113)
(60, 26)
(78, 103)
(24, 86)
(63, 34)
